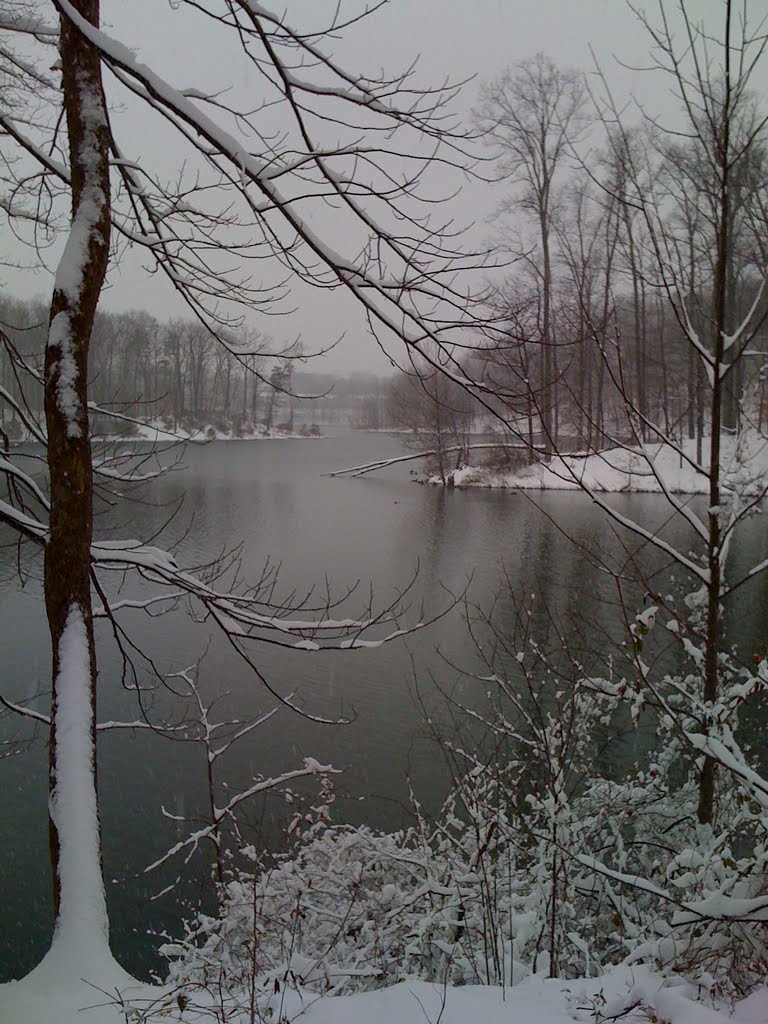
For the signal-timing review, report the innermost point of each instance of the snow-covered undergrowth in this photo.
(491, 900)
(540, 866)
(653, 468)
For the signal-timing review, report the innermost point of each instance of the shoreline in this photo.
(650, 469)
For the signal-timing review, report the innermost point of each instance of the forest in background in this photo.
(175, 374)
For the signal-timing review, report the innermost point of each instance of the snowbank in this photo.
(634, 995)
(652, 468)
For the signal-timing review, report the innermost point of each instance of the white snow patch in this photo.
(632, 994)
(69, 273)
(60, 336)
(652, 468)
(82, 916)
(79, 968)
(91, 201)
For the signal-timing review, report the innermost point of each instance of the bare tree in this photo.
(701, 333)
(532, 114)
(437, 412)
(362, 143)
(699, 337)
(711, 72)
(587, 242)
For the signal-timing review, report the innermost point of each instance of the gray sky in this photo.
(452, 38)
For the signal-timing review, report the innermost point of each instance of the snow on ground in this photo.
(650, 468)
(633, 995)
(154, 431)
(56, 992)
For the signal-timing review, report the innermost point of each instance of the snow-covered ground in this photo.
(632, 995)
(155, 431)
(651, 468)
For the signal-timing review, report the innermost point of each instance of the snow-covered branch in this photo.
(370, 467)
(190, 844)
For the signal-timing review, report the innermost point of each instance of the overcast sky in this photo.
(452, 38)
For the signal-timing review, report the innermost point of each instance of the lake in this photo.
(375, 532)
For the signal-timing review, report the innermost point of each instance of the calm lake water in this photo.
(276, 497)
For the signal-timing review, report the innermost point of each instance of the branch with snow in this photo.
(190, 844)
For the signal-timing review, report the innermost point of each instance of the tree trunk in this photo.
(255, 382)
(706, 808)
(638, 300)
(548, 395)
(78, 891)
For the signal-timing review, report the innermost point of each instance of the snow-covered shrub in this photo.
(692, 894)
(612, 856)
(545, 859)
(469, 898)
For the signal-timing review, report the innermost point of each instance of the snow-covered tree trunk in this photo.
(79, 901)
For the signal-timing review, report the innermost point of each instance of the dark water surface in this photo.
(276, 498)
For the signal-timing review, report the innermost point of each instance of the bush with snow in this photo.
(540, 863)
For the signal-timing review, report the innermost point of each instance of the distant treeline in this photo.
(175, 372)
